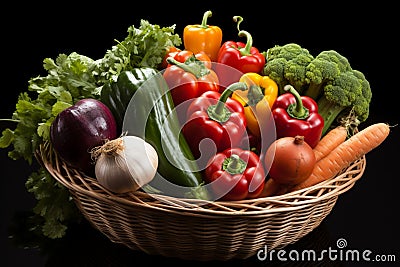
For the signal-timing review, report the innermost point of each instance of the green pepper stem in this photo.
(296, 110)
(197, 69)
(239, 20)
(234, 165)
(244, 51)
(254, 95)
(219, 112)
(206, 15)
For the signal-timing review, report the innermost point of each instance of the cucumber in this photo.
(142, 105)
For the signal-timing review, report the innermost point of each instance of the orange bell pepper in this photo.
(203, 37)
(257, 100)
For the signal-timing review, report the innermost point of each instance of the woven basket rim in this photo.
(79, 182)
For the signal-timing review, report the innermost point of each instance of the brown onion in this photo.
(290, 160)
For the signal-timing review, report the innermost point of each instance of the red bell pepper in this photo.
(183, 55)
(188, 75)
(171, 52)
(297, 115)
(217, 117)
(243, 57)
(235, 174)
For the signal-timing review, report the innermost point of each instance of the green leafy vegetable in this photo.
(71, 78)
(145, 46)
(54, 203)
(287, 64)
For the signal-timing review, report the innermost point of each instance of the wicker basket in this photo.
(218, 230)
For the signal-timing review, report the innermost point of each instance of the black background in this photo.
(366, 215)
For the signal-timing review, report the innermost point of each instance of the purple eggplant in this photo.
(78, 129)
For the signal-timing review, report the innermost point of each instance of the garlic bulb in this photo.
(125, 164)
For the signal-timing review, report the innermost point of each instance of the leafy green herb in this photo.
(71, 78)
(145, 46)
(54, 203)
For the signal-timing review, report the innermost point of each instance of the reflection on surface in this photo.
(85, 246)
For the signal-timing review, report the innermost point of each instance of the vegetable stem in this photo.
(244, 51)
(329, 111)
(296, 110)
(254, 95)
(299, 139)
(11, 120)
(110, 148)
(206, 15)
(193, 66)
(220, 112)
(239, 20)
(234, 165)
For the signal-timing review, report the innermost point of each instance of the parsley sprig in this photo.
(71, 78)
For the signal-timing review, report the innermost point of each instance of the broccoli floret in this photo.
(337, 88)
(326, 66)
(361, 105)
(287, 65)
(340, 94)
(295, 71)
(275, 70)
(333, 56)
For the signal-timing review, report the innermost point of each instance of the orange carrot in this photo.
(331, 140)
(347, 152)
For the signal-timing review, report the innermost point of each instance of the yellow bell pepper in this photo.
(257, 100)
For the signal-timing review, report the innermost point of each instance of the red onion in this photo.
(78, 129)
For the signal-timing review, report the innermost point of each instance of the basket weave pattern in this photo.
(188, 229)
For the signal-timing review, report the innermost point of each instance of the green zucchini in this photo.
(142, 105)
